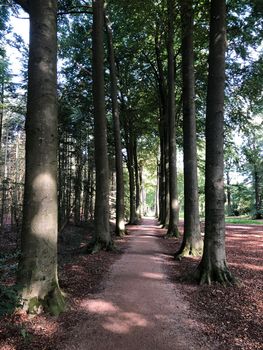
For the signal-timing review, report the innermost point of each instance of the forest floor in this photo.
(141, 298)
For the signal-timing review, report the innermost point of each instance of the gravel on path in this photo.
(139, 309)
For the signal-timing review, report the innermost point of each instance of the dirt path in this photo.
(139, 308)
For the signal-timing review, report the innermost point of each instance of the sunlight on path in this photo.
(139, 308)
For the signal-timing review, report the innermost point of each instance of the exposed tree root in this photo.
(95, 247)
(221, 275)
(189, 250)
(53, 303)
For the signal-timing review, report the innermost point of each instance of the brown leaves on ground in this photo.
(231, 318)
(80, 274)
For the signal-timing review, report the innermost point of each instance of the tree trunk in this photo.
(137, 182)
(102, 237)
(161, 179)
(157, 195)
(2, 111)
(173, 196)
(78, 184)
(142, 195)
(192, 240)
(257, 189)
(130, 164)
(37, 270)
(213, 266)
(229, 206)
(120, 221)
(164, 185)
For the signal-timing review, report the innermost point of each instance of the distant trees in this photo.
(118, 119)
(253, 167)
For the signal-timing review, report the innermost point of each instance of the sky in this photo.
(20, 26)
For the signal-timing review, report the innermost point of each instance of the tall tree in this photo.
(102, 238)
(37, 271)
(192, 239)
(213, 266)
(174, 206)
(120, 226)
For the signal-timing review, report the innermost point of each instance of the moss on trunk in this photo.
(53, 303)
(189, 248)
(172, 231)
(97, 245)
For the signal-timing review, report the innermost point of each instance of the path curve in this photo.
(139, 309)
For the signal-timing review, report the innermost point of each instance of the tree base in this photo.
(189, 250)
(207, 275)
(172, 232)
(95, 247)
(54, 303)
(121, 233)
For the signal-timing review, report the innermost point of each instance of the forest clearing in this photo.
(131, 174)
(112, 304)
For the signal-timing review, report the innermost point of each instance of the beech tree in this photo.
(173, 198)
(192, 240)
(120, 227)
(102, 238)
(37, 271)
(213, 266)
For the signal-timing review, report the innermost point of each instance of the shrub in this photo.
(257, 214)
(9, 299)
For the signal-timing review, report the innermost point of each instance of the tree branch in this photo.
(74, 13)
(83, 9)
(24, 4)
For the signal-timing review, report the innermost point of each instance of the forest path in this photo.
(139, 309)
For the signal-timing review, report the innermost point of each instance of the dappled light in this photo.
(175, 204)
(154, 276)
(99, 306)
(124, 322)
(44, 222)
(131, 305)
(254, 267)
(131, 175)
(124, 313)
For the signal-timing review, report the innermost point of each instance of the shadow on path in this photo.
(139, 308)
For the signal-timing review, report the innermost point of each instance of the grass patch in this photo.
(243, 221)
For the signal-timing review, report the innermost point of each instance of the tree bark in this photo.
(102, 238)
(192, 243)
(78, 183)
(213, 266)
(173, 196)
(137, 182)
(120, 220)
(164, 185)
(2, 111)
(257, 189)
(130, 149)
(229, 206)
(37, 270)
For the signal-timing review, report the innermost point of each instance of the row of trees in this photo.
(147, 92)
